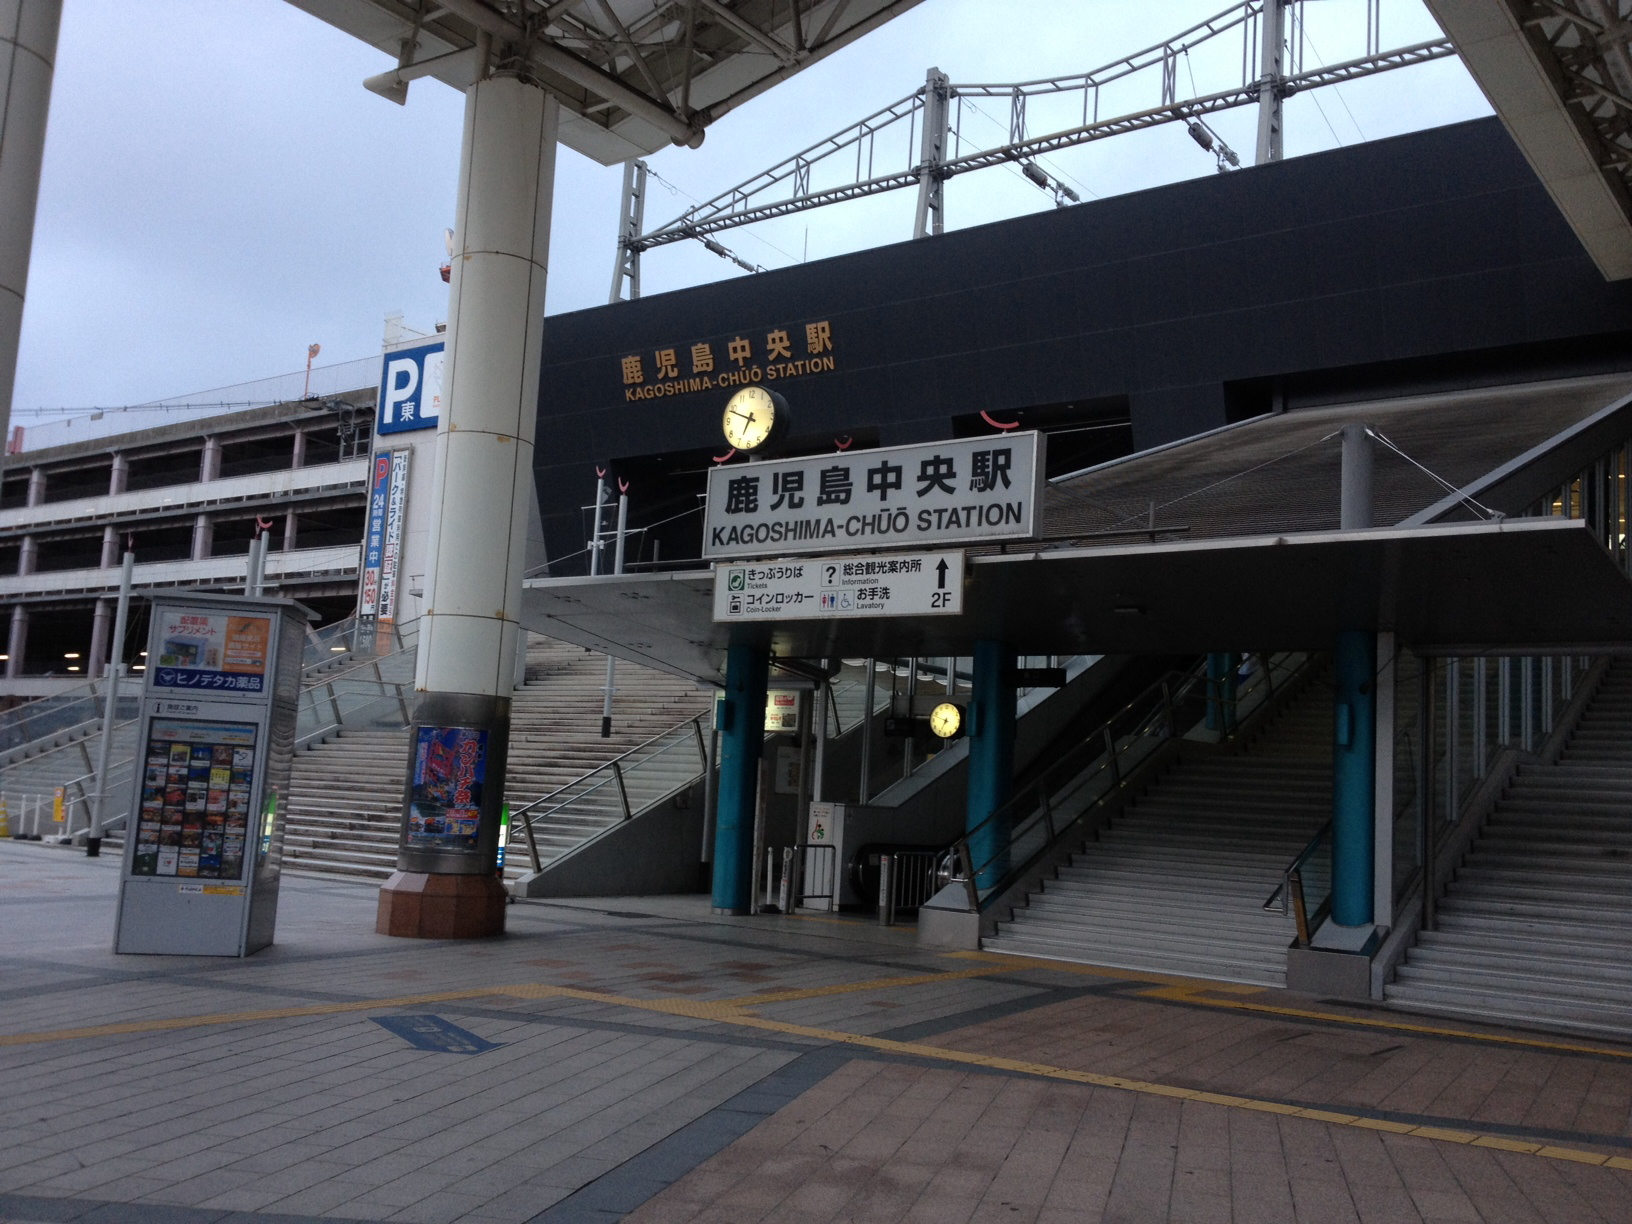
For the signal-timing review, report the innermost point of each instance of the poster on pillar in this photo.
(445, 797)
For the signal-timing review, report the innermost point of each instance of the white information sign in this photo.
(908, 584)
(967, 490)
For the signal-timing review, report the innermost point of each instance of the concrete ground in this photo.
(639, 1059)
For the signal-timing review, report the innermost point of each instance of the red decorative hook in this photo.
(846, 444)
(623, 485)
(985, 416)
(725, 457)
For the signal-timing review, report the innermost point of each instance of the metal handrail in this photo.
(1155, 713)
(611, 773)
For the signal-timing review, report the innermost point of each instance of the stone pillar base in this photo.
(418, 905)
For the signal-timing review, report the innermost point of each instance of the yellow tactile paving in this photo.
(1200, 992)
(736, 1012)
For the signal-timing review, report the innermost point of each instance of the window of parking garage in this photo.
(71, 483)
(249, 457)
(68, 552)
(330, 528)
(155, 470)
(14, 489)
(174, 543)
(232, 536)
(59, 639)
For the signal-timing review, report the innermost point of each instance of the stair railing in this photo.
(1009, 844)
(1307, 877)
(645, 775)
(371, 692)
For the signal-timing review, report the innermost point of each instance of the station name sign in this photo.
(966, 491)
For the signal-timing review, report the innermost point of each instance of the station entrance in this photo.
(1293, 675)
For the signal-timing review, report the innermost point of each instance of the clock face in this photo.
(945, 719)
(750, 415)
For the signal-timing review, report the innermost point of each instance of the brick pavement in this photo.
(647, 1061)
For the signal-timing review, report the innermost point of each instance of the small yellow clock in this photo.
(945, 719)
(752, 417)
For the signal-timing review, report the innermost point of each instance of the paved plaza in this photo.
(638, 1059)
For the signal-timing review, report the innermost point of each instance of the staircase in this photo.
(1534, 927)
(345, 799)
(1176, 882)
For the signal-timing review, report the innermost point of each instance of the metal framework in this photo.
(1583, 45)
(631, 75)
(1272, 69)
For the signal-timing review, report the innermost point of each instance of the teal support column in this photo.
(991, 757)
(1354, 778)
(1221, 686)
(742, 736)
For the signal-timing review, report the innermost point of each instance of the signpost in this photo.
(964, 491)
(901, 584)
(203, 851)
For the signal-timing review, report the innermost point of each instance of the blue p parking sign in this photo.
(411, 389)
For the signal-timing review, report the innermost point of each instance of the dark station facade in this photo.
(1426, 262)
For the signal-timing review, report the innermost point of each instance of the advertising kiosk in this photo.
(215, 743)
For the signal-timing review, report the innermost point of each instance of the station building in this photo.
(1330, 578)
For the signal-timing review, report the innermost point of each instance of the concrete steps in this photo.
(1176, 883)
(343, 812)
(1533, 927)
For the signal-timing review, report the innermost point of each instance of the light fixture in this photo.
(144, 654)
(72, 654)
(73, 668)
(332, 649)
(5, 658)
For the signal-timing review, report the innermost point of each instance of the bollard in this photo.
(787, 880)
(886, 890)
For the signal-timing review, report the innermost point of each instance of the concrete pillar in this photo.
(209, 461)
(28, 49)
(1356, 500)
(1354, 778)
(742, 738)
(290, 521)
(297, 454)
(17, 641)
(36, 486)
(481, 491)
(991, 756)
(110, 547)
(28, 555)
(118, 477)
(203, 537)
(99, 640)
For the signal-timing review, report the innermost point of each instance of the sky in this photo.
(219, 191)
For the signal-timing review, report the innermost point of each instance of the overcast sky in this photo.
(219, 190)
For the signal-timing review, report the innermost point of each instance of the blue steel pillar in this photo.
(1221, 686)
(1354, 778)
(991, 755)
(742, 736)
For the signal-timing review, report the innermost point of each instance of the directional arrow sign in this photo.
(901, 584)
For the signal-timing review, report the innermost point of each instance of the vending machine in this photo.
(215, 743)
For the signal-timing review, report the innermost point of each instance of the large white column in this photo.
(28, 49)
(484, 441)
(481, 492)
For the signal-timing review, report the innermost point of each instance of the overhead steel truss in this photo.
(1583, 45)
(631, 75)
(1272, 69)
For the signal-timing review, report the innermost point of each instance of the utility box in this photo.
(215, 744)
